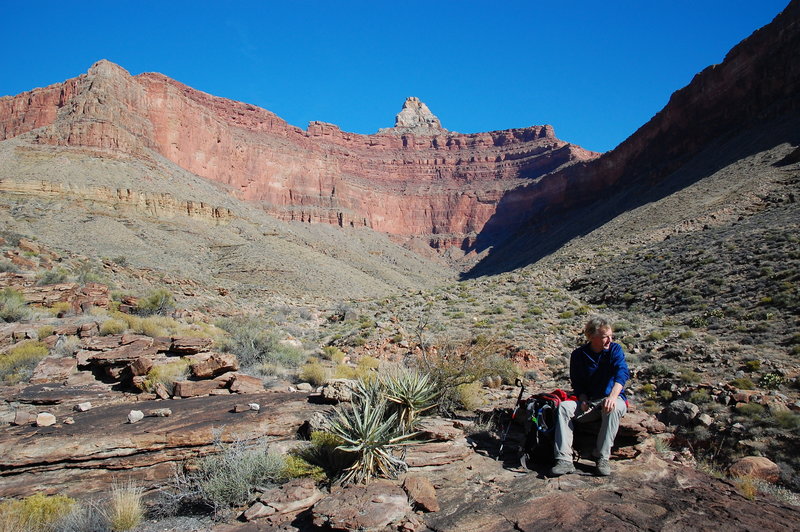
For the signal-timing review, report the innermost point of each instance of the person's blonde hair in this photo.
(595, 324)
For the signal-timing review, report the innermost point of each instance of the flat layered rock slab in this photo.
(648, 493)
(61, 457)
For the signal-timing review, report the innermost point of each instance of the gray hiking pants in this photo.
(565, 425)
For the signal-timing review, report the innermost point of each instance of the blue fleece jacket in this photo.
(594, 374)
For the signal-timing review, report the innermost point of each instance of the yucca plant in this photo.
(412, 392)
(369, 435)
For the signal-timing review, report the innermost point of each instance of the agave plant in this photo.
(412, 392)
(370, 436)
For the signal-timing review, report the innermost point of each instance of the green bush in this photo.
(751, 410)
(700, 397)
(254, 345)
(770, 381)
(159, 301)
(17, 364)
(743, 383)
(12, 305)
(8, 266)
(37, 513)
(332, 353)
(689, 376)
(752, 365)
(787, 420)
(44, 331)
(470, 396)
(56, 276)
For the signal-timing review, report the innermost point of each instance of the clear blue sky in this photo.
(595, 70)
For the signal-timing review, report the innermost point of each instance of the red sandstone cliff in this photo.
(440, 186)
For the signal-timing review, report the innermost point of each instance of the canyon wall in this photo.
(427, 183)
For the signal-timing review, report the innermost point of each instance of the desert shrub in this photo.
(113, 326)
(743, 383)
(44, 331)
(369, 436)
(685, 335)
(313, 373)
(368, 362)
(36, 513)
(87, 272)
(12, 305)
(126, 509)
(324, 454)
(167, 374)
(60, 308)
(657, 369)
(8, 266)
(17, 364)
(296, 466)
(330, 352)
(87, 516)
(658, 335)
(666, 395)
(787, 420)
(159, 301)
(455, 362)
(66, 346)
(651, 407)
(470, 396)
(648, 390)
(747, 486)
(254, 345)
(700, 397)
(229, 477)
(752, 365)
(55, 276)
(752, 410)
(690, 376)
(770, 381)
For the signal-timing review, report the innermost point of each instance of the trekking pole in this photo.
(519, 383)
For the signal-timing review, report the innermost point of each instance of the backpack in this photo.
(540, 424)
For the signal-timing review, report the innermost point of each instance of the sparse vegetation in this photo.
(159, 301)
(17, 364)
(12, 305)
(126, 509)
(37, 513)
(254, 344)
(167, 374)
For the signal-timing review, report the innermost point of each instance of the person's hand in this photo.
(608, 404)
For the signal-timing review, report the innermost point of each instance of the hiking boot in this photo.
(603, 467)
(562, 467)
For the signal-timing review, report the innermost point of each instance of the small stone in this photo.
(255, 406)
(161, 391)
(160, 412)
(704, 420)
(421, 491)
(45, 419)
(83, 407)
(257, 510)
(305, 387)
(22, 417)
(135, 416)
(241, 408)
(69, 421)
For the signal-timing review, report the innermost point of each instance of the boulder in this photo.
(756, 467)
(421, 491)
(216, 364)
(23, 417)
(53, 369)
(195, 388)
(83, 407)
(338, 390)
(242, 383)
(680, 413)
(190, 346)
(437, 428)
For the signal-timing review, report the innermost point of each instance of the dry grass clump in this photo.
(17, 364)
(167, 374)
(113, 326)
(314, 373)
(12, 305)
(126, 509)
(37, 513)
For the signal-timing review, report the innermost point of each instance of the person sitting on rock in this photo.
(598, 373)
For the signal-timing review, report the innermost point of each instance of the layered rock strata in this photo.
(417, 179)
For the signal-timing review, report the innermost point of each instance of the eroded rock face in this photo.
(418, 180)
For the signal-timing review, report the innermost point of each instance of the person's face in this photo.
(601, 340)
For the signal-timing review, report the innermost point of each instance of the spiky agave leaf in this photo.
(370, 435)
(412, 391)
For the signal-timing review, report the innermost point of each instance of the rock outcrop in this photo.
(419, 180)
(415, 118)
